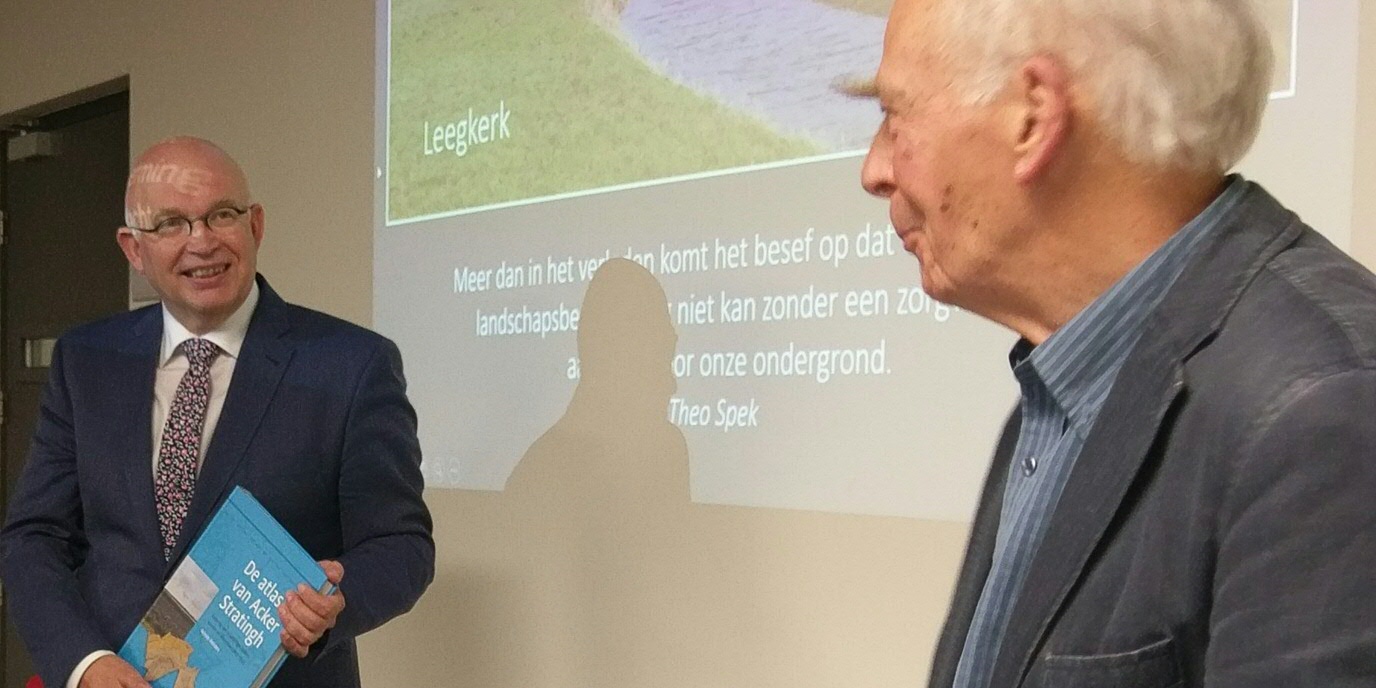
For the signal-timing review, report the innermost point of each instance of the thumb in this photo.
(334, 571)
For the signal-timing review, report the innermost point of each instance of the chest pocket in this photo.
(1152, 666)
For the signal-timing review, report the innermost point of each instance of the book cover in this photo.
(215, 622)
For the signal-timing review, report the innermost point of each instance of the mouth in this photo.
(908, 236)
(206, 272)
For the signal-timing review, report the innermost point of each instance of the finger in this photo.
(133, 681)
(131, 678)
(334, 571)
(293, 624)
(313, 600)
(292, 647)
(112, 671)
(313, 614)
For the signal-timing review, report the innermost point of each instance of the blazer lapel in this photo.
(1134, 415)
(262, 360)
(132, 410)
(979, 557)
(1111, 458)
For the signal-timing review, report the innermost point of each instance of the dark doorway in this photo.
(62, 194)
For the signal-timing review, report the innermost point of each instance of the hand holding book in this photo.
(306, 613)
(111, 672)
(232, 598)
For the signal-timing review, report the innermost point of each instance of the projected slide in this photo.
(758, 299)
(533, 99)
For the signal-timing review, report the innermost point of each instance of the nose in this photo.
(202, 240)
(877, 173)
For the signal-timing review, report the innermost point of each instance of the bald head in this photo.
(182, 166)
(203, 260)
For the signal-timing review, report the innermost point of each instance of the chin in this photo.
(938, 290)
(213, 305)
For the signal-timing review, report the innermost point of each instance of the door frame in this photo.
(56, 113)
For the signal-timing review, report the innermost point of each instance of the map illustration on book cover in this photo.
(215, 622)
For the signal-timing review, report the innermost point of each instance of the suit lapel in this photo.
(1110, 460)
(1133, 418)
(131, 400)
(262, 361)
(979, 557)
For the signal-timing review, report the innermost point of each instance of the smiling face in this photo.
(946, 167)
(203, 277)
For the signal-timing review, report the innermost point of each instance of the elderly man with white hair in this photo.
(1184, 495)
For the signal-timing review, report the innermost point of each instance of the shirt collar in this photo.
(1079, 361)
(229, 336)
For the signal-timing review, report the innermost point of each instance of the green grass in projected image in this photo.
(581, 110)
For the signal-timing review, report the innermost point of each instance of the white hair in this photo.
(1177, 83)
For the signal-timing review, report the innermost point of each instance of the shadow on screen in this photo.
(595, 568)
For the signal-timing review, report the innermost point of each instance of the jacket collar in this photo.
(1131, 420)
(263, 359)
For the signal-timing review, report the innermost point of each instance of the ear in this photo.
(130, 245)
(255, 223)
(1044, 116)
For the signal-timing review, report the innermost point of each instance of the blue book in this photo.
(215, 623)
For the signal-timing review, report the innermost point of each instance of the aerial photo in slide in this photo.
(498, 102)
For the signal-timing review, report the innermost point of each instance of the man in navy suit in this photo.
(1183, 497)
(307, 412)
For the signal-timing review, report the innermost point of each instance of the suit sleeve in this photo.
(389, 552)
(43, 542)
(1295, 588)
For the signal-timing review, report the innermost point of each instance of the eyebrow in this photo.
(858, 87)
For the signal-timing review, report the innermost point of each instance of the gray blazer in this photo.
(1219, 528)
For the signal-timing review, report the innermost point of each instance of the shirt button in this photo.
(1029, 466)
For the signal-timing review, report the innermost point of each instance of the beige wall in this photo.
(532, 590)
(286, 86)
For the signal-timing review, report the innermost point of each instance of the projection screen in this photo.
(521, 143)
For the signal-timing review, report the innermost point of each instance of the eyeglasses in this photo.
(219, 218)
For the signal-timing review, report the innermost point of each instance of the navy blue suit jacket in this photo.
(315, 424)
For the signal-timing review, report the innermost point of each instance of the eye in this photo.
(222, 217)
(886, 126)
(171, 225)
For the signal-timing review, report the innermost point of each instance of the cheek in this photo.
(151, 262)
(161, 263)
(923, 174)
(907, 167)
(913, 180)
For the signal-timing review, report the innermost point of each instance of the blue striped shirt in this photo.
(1064, 383)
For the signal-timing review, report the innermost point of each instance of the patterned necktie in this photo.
(181, 442)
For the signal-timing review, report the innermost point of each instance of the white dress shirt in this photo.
(172, 365)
